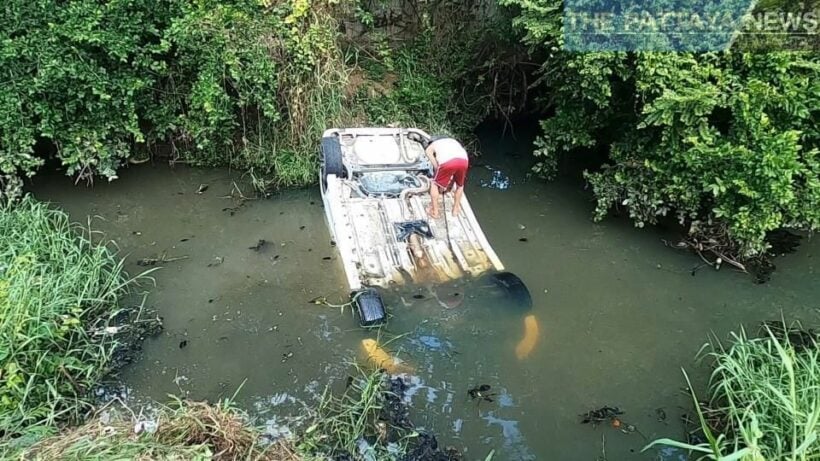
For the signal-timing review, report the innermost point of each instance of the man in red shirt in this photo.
(449, 158)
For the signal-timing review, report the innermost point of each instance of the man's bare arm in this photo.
(431, 156)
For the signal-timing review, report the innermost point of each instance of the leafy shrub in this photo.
(725, 141)
(246, 83)
(218, 80)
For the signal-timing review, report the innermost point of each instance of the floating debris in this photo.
(600, 415)
(217, 261)
(660, 413)
(259, 245)
(498, 180)
(183, 344)
(326, 258)
(202, 188)
(523, 239)
(481, 393)
(418, 296)
(162, 259)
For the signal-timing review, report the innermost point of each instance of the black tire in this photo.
(332, 158)
(511, 289)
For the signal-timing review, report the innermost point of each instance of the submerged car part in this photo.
(370, 307)
(508, 287)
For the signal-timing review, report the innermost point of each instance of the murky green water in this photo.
(618, 313)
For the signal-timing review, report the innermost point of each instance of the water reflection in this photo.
(514, 444)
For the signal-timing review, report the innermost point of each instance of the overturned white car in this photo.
(375, 184)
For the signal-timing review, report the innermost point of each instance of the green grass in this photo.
(191, 430)
(340, 422)
(183, 431)
(58, 291)
(764, 401)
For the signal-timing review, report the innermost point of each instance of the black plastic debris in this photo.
(600, 415)
(259, 245)
(481, 393)
(405, 229)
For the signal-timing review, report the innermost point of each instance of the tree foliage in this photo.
(97, 81)
(727, 141)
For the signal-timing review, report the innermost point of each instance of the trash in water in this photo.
(498, 180)
(217, 261)
(183, 344)
(661, 414)
(481, 392)
(600, 415)
(148, 426)
(523, 239)
(259, 245)
(202, 188)
(162, 259)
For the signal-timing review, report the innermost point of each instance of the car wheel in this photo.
(332, 159)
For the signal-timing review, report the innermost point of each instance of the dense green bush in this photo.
(727, 142)
(220, 81)
(76, 75)
(248, 83)
(58, 291)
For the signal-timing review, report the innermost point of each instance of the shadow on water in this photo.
(613, 314)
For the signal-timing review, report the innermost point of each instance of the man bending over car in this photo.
(450, 161)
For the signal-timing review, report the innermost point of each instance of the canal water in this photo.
(615, 314)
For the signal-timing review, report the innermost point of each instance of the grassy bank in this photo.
(365, 420)
(764, 398)
(59, 296)
(183, 431)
